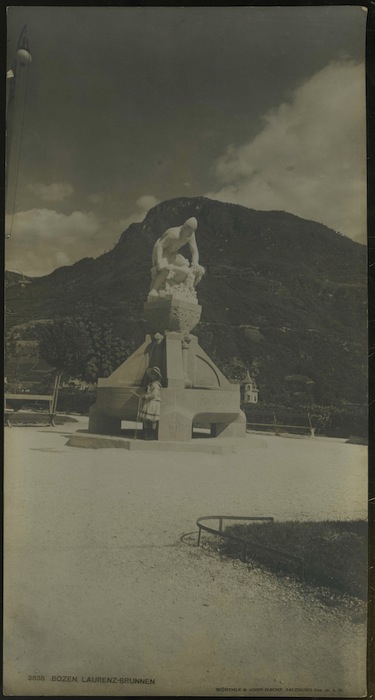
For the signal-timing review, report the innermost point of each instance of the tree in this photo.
(108, 350)
(65, 344)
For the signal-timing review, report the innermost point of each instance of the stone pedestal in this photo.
(169, 314)
(194, 391)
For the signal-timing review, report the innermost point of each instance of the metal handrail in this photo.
(281, 425)
(277, 427)
(245, 543)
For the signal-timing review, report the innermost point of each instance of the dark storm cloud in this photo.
(132, 102)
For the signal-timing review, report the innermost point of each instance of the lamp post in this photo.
(17, 84)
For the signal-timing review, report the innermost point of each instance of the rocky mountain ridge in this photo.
(281, 295)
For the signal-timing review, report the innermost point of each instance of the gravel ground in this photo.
(103, 578)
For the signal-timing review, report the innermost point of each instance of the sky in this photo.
(125, 107)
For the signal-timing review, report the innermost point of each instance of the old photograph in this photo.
(185, 416)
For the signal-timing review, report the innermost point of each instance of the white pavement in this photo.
(98, 583)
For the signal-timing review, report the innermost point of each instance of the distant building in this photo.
(249, 389)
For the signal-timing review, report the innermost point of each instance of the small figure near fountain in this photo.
(150, 408)
(171, 273)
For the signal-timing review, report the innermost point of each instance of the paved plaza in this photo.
(101, 582)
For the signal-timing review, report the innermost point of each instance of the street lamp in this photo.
(17, 84)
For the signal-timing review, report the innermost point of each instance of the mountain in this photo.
(282, 295)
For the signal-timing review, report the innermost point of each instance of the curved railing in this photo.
(246, 544)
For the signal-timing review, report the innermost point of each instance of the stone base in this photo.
(169, 314)
(194, 391)
(181, 410)
(218, 446)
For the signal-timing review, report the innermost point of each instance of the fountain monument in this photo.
(194, 391)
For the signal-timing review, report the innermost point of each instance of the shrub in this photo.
(334, 552)
(72, 400)
(343, 421)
